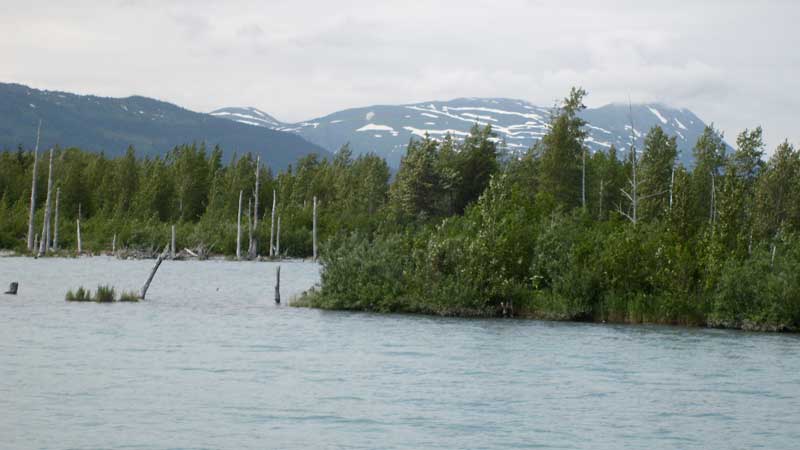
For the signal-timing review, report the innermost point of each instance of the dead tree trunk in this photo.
(272, 225)
(55, 220)
(31, 216)
(249, 222)
(278, 240)
(78, 230)
(254, 235)
(314, 229)
(114, 244)
(239, 229)
(45, 241)
(278, 285)
(172, 244)
(153, 273)
(583, 178)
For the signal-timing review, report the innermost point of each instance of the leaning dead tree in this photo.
(239, 229)
(314, 229)
(45, 241)
(272, 225)
(253, 250)
(31, 216)
(55, 220)
(153, 272)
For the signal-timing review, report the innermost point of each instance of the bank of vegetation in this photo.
(465, 228)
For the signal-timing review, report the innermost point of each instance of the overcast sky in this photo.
(735, 63)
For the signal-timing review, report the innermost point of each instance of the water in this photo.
(208, 361)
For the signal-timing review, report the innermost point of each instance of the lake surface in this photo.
(209, 361)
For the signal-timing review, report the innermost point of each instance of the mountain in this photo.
(386, 129)
(152, 127)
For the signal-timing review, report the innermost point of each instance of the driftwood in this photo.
(278, 285)
(12, 288)
(239, 229)
(153, 272)
(55, 221)
(31, 217)
(314, 229)
(44, 243)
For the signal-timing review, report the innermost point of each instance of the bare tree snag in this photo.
(249, 223)
(44, 243)
(314, 229)
(55, 220)
(278, 240)
(172, 244)
(78, 231)
(272, 226)
(239, 229)
(114, 244)
(254, 235)
(153, 272)
(31, 216)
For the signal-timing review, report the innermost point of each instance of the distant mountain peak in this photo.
(386, 129)
(249, 115)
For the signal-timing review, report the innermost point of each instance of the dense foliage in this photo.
(465, 229)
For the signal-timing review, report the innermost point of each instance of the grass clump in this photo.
(129, 296)
(79, 295)
(104, 294)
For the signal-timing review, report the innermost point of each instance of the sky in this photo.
(734, 63)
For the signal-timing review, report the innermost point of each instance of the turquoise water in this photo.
(209, 361)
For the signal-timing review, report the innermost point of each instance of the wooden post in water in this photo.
(172, 244)
(314, 229)
(239, 229)
(278, 285)
(278, 240)
(44, 243)
(153, 272)
(55, 221)
(31, 217)
(272, 225)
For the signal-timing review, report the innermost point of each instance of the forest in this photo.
(466, 228)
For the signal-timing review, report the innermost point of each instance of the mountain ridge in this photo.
(386, 129)
(151, 126)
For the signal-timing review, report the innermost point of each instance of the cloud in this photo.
(732, 62)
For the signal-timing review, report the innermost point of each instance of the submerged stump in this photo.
(12, 288)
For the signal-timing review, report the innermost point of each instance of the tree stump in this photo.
(12, 288)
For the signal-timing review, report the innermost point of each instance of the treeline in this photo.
(139, 199)
(559, 233)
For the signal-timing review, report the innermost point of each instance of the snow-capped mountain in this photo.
(386, 129)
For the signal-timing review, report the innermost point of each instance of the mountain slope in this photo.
(386, 129)
(151, 126)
